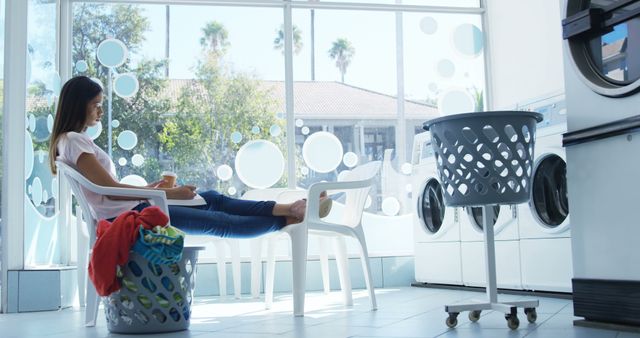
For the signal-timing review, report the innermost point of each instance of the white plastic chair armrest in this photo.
(313, 204)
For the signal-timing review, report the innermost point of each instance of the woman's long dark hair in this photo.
(71, 113)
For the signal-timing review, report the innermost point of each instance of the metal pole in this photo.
(313, 52)
(489, 254)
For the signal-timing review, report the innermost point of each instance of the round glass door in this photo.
(431, 208)
(549, 196)
(476, 215)
(604, 42)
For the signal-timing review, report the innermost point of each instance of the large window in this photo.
(43, 86)
(200, 90)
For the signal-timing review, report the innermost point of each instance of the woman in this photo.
(80, 107)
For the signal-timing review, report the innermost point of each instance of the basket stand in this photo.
(486, 159)
(508, 308)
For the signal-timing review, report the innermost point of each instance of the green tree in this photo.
(278, 42)
(142, 113)
(215, 37)
(210, 108)
(342, 51)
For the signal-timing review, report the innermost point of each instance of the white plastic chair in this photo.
(70, 178)
(75, 180)
(273, 194)
(356, 186)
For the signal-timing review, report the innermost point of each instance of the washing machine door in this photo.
(475, 214)
(431, 208)
(604, 43)
(549, 198)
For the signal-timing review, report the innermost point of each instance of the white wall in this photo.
(525, 42)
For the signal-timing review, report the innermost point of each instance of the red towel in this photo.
(114, 240)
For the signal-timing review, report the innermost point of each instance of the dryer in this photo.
(506, 244)
(544, 224)
(602, 85)
(436, 228)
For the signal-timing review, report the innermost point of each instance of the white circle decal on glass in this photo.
(406, 168)
(134, 180)
(31, 119)
(299, 123)
(304, 171)
(255, 130)
(433, 87)
(236, 137)
(350, 159)
(122, 161)
(36, 191)
(54, 187)
(343, 175)
(115, 123)
(232, 191)
(96, 80)
(275, 130)
(112, 53)
(224, 172)
(50, 123)
(408, 188)
(446, 68)
(81, 66)
(455, 101)
(467, 39)
(137, 160)
(127, 140)
(428, 25)
(126, 85)
(304, 130)
(259, 164)
(94, 131)
(390, 206)
(41, 133)
(28, 155)
(322, 152)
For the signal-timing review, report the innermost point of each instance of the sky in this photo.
(442, 51)
(372, 33)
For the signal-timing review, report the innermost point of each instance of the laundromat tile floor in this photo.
(405, 312)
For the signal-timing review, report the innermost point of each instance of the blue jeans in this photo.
(224, 216)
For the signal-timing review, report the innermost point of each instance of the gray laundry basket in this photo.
(153, 298)
(486, 157)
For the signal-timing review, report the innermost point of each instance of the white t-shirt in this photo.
(70, 146)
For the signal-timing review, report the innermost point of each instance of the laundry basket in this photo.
(154, 297)
(485, 158)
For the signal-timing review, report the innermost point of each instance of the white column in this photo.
(13, 180)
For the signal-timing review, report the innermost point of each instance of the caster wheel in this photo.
(532, 315)
(513, 322)
(452, 320)
(474, 315)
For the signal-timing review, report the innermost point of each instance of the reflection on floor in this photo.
(403, 312)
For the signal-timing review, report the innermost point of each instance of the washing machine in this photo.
(543, 223)
(436, 228)
(602, 85)
(505, 223)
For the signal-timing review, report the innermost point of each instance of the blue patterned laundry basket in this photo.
(154, 297)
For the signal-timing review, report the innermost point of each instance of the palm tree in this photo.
(342, 51)
(215, 37)
(278, 42)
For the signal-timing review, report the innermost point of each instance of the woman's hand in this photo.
(185, 192)
(156, 184)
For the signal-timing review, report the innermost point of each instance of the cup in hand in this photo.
(169, 178)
